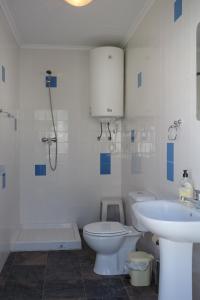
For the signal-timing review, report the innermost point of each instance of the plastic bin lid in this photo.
(140, 256)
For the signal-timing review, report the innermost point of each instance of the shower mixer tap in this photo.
(49, 140)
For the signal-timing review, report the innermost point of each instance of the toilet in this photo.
(112, 241)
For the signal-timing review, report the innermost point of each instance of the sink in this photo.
(177, 227)
(170, 220)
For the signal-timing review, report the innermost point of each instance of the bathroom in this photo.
(159, 41)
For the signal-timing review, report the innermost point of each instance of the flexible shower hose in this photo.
(53, 166)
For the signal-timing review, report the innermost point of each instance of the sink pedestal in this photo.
(175, 270)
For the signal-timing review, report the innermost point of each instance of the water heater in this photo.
(107, 82)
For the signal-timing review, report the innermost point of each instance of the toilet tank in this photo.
(134, 197)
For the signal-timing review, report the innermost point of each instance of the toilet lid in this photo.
(108, 228)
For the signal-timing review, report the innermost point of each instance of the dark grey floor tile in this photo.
(87, 257)
(148, 290)
(68, 289)
(148, 297)
(27, 274)
(107, 287)
(87, 271)
(94, 298)
(4, 276)
(126, 280)
(5, 272)
(62, 272)
(21, 291)
(24, 282)
(65, 298)
(3, 280)
(134, 291)
(10, 259)
(126, 297)
(141, 293)
(31, 258)
(144, 297)
(62, 258)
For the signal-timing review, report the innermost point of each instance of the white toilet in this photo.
(112, 241)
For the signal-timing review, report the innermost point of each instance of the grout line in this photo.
(44, 280)
(82, 279)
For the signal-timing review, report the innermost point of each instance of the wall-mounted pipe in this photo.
(10, 116)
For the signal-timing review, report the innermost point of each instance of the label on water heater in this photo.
(109, 110)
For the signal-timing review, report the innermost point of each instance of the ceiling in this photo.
(56, 23)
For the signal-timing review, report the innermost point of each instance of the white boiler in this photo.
(107, 82)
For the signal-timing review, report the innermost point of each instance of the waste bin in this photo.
(140, 268)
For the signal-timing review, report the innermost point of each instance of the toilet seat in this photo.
(109, 229)
(105, 229)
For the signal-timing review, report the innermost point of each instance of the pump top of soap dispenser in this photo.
(185, 173)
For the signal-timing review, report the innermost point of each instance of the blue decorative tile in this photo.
(170, 161)
(178, 9)
(139, 79)
(170, 171)
(40, 170)
(51, 81)
(170, 152)
(3, 74)
(105, 163)
(2, 170)
(3, 176)
(132, 136)
(3, 181)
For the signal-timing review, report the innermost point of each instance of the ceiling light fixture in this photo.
(79, 3)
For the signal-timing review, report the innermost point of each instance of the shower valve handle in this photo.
(54, 139)
(49, 140)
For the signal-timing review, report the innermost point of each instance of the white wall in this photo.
(166, 54)
(9, 147)
(73, 192)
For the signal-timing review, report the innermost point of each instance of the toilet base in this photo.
(115, 263)
(108, 265)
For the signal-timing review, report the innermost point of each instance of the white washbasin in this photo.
(178, 227)
(170, 220)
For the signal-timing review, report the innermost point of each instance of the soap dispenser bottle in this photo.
(186, 187)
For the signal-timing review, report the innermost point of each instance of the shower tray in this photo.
(48, 237)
